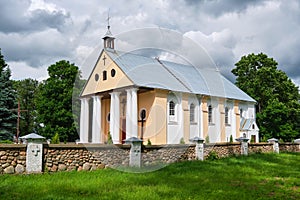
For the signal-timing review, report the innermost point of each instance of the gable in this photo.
(105, 76)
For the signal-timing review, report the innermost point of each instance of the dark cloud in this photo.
(217, 8)
(16, 18)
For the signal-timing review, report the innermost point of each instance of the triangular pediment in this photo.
(106, 75)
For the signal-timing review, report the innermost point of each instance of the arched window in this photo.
(226, 115)
(210, 117)
(192, 113)
(171, 111)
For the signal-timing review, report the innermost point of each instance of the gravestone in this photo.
(244, 145)
(135, 155)
(274, 141)
(199, 149)
(34, 153)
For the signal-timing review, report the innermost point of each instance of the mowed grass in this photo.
(260, 176)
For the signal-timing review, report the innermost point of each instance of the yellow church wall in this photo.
(146, 101)
(118, 81)
(186, 117)
(159, 116)
(237, 114)
(205, 116)
(105, 108)
(222, 119)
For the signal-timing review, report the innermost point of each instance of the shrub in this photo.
(109, 139)
(212, 156)
(149, 142)
(6, 142)
(207, 139)
(182, 141)
(231, 139)
(55, 139)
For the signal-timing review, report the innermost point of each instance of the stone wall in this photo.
(67, 157)
(84, 157)
(289, 147)
(12, 158)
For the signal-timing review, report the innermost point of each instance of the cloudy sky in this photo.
(37, 33)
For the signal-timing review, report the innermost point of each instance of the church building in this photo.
(130, 95)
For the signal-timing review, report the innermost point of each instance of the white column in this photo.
(84, 120)
(128, 114)
(134, 108)
(81, 134)
(115, 117)
(112, 108)
(116, 138)
(96, 130)
(201, 119)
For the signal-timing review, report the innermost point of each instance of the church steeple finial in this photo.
(108, 37)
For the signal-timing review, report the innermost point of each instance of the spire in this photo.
(108, 37)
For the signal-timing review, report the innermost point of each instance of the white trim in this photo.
(96, 126)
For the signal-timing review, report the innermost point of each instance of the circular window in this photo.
(96, 77)
(113, 72)
(143, 114)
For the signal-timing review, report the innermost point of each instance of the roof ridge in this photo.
(174, 75)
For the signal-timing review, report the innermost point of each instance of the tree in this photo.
(26, 92)
(278, 107)
(7, 102)
(54, 102)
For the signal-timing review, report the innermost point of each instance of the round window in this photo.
(113, 72)
(96, 77)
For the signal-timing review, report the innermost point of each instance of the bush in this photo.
(6, 142)
(55, 139)
(212, 156)
(207, 139)
(231, 139)
(109, 139)
(149, 142)
(182, 141)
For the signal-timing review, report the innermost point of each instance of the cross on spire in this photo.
(108, 18)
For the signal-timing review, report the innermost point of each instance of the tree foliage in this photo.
(26, 93)
(8, 116)
(278, 107)
(54, 102)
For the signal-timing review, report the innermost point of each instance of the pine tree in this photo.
(8, 103)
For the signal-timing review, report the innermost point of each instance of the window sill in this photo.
(193, 123)
(172, 123)
(211, 124)
(227, 124)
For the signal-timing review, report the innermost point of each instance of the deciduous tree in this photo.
(278, 108)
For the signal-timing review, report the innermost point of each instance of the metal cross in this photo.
(104, 58)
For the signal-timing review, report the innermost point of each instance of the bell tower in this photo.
(108, 38)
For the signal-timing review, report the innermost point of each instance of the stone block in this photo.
(3, 157)
(86, 166)
(5, 165)
(9, 170)
(19, 169)
(2, 153)
(62, 167)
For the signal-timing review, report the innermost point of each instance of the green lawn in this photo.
(261, 176)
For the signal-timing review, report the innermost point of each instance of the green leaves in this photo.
(276, 95)
(54, 102)
(8, 117)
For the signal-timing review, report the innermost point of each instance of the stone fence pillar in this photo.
(244, 145)
(135, 155)
(34, 153)
(199, 149)
(274, 141)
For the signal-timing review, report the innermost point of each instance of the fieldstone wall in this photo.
(222, 149)
(289, 147)
(84, 157)
(12, 159)
(164, 154)
(68, 157)
(260, 147)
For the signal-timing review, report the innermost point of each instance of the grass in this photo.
(260, 176)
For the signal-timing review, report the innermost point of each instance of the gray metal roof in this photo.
(153, 73)
(245, 124)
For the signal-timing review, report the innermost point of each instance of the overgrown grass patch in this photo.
(258, 176)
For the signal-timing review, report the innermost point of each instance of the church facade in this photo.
(130, 95)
